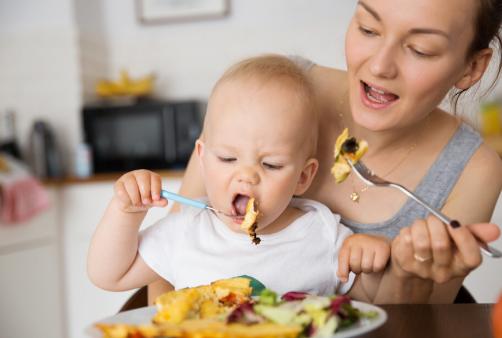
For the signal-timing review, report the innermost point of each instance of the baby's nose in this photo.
(248, 175)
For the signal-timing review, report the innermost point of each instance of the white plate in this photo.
(144, 315)
(365, 324)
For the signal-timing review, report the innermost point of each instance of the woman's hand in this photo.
(139, 190)
(430, 249)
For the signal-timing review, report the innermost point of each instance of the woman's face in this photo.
(403, 56)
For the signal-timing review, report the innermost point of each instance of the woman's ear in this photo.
(475, 69)
(307, 175)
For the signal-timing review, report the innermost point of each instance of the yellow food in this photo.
(341, 168)
(249, 223)
(201, 312)
(200, 329)
(205, 301)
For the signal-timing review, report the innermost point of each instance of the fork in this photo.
(368, 177)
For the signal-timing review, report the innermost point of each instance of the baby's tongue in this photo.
(240, 203)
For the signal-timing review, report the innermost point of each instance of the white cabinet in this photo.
(84, 206)
(31, 298)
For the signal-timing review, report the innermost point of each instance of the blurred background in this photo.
(66, 64)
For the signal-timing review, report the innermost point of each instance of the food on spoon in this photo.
(249, 223)
(346, 148)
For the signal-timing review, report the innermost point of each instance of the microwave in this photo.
(148, 135)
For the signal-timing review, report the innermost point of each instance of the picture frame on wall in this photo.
(171, 11)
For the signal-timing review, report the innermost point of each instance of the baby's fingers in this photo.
(144, 183)
(122, 195)
(343, 264)
(381, 259)
(367, 261)
(156, 187)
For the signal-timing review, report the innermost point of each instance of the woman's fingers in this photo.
(487, 232)
(421, 241)
(442, 253)
(467, 248)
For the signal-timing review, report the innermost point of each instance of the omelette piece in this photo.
(202, 302)
(346, 148)
(249, 223)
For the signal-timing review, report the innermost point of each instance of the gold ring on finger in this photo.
(420, 258)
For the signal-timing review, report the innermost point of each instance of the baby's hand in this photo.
(362, 253)
(139, 190)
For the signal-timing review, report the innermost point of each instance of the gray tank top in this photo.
(435, 186)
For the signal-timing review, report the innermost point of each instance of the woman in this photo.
(403, 57)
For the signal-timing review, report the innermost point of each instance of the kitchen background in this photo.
(52, 53)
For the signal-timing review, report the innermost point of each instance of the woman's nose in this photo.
(383, 63)
(248, 175)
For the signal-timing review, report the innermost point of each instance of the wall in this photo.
(52, 52)
(188, 57)
(39, 66)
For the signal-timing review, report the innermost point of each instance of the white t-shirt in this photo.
(193, 247)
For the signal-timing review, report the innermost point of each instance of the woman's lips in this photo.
(376, 98)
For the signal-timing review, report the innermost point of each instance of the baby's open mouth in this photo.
(239, 205)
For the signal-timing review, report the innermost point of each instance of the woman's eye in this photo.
(226, 159)
(272, 166)
(366, 31)
(420, 54)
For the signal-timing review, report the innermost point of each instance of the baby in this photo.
(259, 140)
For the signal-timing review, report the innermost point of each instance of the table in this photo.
(435, 321)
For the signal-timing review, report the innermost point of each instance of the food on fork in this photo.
(346, 148)
(249, 223)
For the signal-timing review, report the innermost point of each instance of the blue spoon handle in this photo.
(178, 198)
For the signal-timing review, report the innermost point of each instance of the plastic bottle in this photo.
(83, 161)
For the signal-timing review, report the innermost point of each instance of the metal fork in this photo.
(368, 177)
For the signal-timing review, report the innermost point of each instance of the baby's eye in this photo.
(226, 159)
(272, 166)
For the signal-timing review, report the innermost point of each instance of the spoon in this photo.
(188, 201)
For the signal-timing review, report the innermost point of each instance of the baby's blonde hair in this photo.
(272, 67)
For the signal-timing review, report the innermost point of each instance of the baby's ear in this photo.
(199, 147)
(307, 175)
(199, 150)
